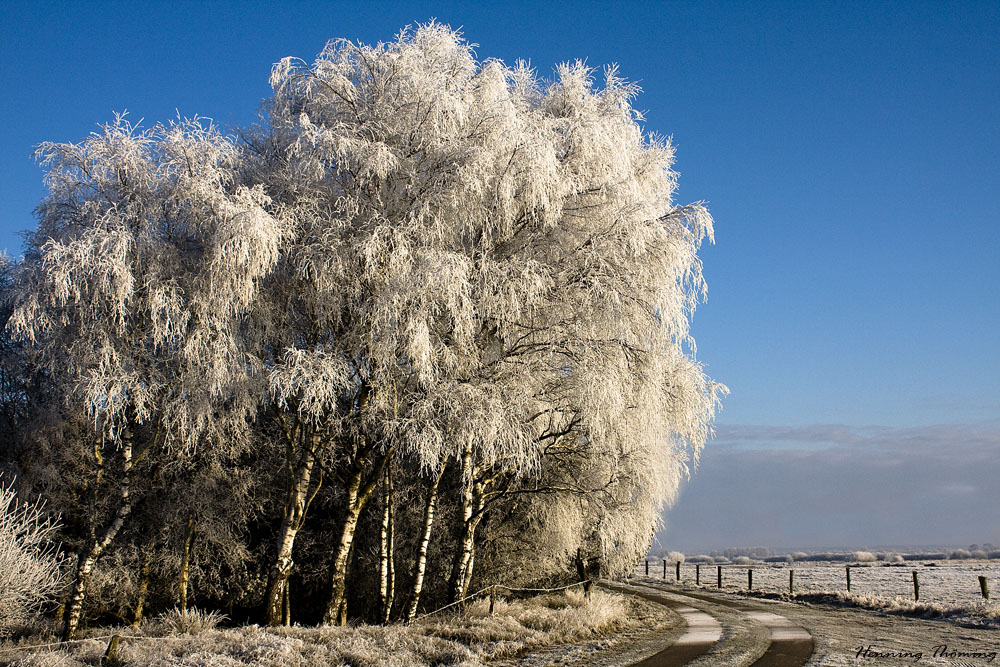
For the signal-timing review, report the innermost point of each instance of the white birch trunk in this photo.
(336, 608)
(387, 569)
(418, 577)
(291, 522)
(75, 608)
(458, 582)
(357, 496)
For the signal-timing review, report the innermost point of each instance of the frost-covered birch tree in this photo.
(501, 267)
(147, 255)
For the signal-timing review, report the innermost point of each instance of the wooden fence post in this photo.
(720, 575)
(848, 578)
(984, 588)
(750, 578)
(110, 658)
(678, 570)
(791, 582)
(664, 569)
(916, 587)
(647, 568)
(697, 575)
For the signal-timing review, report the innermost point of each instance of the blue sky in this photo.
(849, 154)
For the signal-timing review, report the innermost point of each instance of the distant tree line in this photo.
(738, 556)
(422, 329)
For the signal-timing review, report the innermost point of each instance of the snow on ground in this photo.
(944, 582)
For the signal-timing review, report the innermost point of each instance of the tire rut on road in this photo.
(703, 631)
(791, 645)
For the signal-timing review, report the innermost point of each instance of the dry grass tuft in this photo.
(188, 621)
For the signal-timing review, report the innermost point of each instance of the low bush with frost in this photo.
(29, 561)
(890, 557)
(863, 557)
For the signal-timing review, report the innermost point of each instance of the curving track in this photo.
(790, 645)
(703, 631)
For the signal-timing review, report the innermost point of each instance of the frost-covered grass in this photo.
(467, 638)
(948, 588)
(980, 613)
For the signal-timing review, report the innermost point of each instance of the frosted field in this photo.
(948, 582)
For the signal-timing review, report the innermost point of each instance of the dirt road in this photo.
(771, 633)
(702, 627)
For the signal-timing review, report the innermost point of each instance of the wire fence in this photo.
(496, 588)
(948, 582)
(99, 638)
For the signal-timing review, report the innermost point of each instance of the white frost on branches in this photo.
(509, 259)
(29, 560)
(420, 263)
(147, 255)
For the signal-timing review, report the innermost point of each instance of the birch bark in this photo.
(358, 493)
(293, 516)
(421, 565)
(74, 609)
(387, 570)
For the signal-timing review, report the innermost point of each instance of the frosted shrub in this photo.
(863, 557)
(742, 560)
(29, 561)
(675, 557)
(960, 554)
